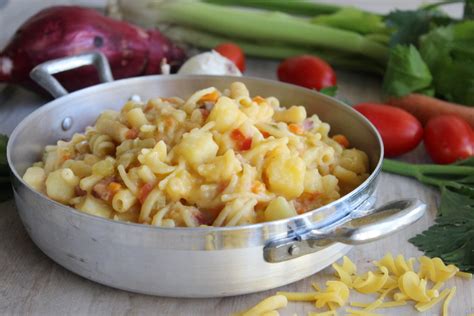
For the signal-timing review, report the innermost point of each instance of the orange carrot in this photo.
(210, 97)
(114, 187)
(342, 140)
(258, 187)
(259, 100)
(295, 128)
(424, 107)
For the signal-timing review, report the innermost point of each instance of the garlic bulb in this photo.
(209, 63)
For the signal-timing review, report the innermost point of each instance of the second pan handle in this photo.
(360, 226)
(43, 73)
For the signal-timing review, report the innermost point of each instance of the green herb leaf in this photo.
(352, 19)
(457, 222)
(406, 72)
(330, 91)
(456, 210)
(449, 54)
(409, 25)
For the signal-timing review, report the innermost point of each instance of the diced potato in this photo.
(35, 177)
(312, 181)
(279, 208)
(96, 207)
(197, 147)
(285, 175)
(354, 160)
(295, 114)
(226, 115)
(346, 176)
(221, 168)
(60, 185)
(259, 113)
(180, 186)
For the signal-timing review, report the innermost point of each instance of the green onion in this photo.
(300, 7)
(257, 26)
(209, 41)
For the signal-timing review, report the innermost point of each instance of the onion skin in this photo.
(62, 31)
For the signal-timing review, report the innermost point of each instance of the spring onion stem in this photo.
(428, 173)
(263, 26)
(265, 50)
(300, 7)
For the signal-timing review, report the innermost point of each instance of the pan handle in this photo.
(43, 73)
(360, 226)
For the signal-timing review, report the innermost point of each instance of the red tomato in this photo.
(448, 138)
(307, 71)
(400, 131)
(241, 141)
(232, 52)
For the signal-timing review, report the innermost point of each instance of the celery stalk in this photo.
(300, 7)
(266, 50)
(256, 26)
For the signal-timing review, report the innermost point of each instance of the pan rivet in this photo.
(67, 123)
(294, 250)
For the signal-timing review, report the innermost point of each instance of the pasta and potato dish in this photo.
(219, 158)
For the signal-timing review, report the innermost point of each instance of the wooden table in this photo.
(30, 283)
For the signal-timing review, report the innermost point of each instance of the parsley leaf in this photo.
(330, 91)
(409, 25)
(457, 222)
(452, 236)
(449, 54)
(406, 72)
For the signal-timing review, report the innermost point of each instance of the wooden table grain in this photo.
(32, 284)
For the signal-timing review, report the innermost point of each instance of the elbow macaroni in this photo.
(217, 158)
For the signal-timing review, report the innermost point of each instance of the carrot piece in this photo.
(257, 187)
(210, 97)
(114, 187)
(342, 140)
(265, 134)
(259, 100)
(424, 107)
(295, 128)
(144, 191)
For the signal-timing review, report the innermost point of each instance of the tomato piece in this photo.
(401, 132)
(144, 191)
(307, 71)
(241, 141)
(232, 52)
(448, 138)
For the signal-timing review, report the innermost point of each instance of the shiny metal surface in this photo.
(183, 262)
(359, 226)
(43, 74)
